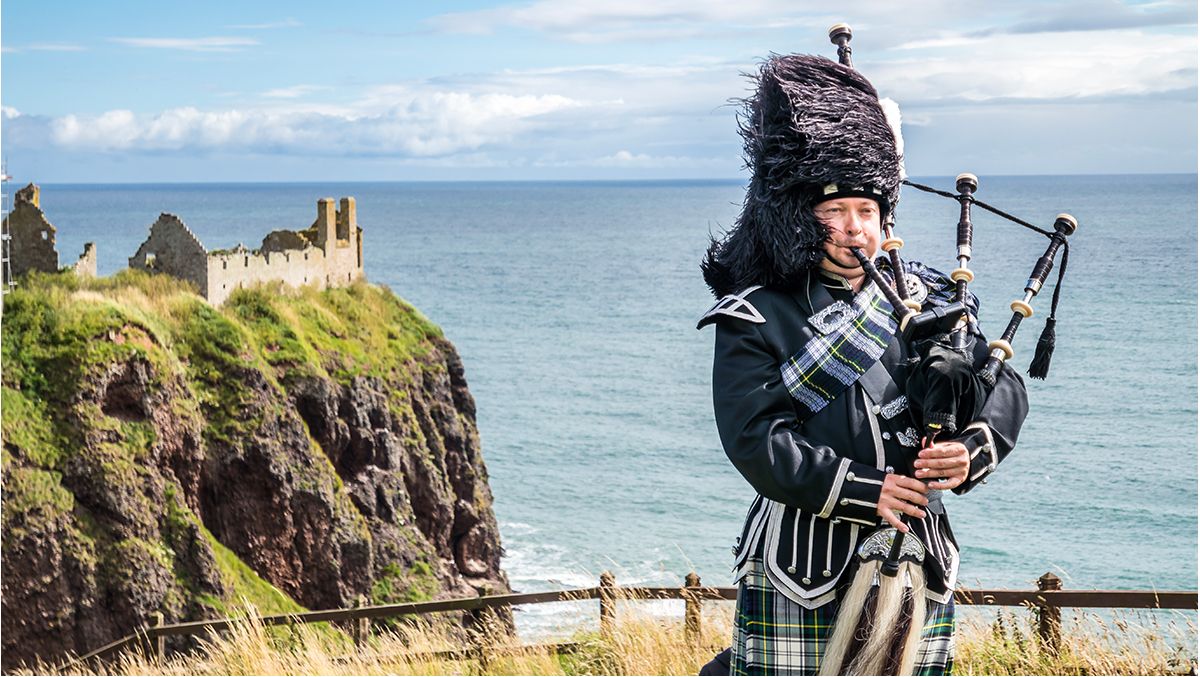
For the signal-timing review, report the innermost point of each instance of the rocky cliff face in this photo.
(297, 448)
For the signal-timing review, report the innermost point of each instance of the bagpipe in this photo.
(946, 389)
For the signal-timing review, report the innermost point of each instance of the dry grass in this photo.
(988, 642)
(1118, 643)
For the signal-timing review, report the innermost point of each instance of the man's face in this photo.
(851, 222)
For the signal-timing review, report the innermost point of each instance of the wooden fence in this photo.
(1047, 601)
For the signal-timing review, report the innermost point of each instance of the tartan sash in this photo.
(851, 337)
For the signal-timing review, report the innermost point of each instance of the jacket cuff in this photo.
(977, 438)
(854, 494)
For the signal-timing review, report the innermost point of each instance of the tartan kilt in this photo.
(772, 635)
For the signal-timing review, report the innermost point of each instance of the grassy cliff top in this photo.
(65, 337)
(58, 330)
(361, 329)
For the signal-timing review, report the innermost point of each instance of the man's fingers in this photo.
(943, 450)
(900, 505)
(940, 463)
(948, 483)
(913, 511)
(893, 520)
(908, 496)
(909, 483)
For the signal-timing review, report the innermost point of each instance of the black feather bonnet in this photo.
(812, 130)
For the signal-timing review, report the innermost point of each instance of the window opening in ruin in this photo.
(247, 261)
(151, 259)
(225, 265)
(45, 235)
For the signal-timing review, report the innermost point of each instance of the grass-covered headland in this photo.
(292, 448)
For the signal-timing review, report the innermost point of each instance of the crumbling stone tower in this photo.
(32, 246)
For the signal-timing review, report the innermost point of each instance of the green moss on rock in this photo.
(396, 584)
(33, 498)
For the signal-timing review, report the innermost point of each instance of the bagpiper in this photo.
(812, 385)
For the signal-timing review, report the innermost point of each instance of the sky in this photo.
(122, 91)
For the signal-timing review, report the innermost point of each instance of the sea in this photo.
(574, 307)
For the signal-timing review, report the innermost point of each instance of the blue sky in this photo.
(622, 89)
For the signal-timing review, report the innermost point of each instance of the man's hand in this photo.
(901, 494)
(947, 462)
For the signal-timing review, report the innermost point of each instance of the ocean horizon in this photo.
(573, 305)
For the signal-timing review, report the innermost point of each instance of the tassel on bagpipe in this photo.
(1001, 348)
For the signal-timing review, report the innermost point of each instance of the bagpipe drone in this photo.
(945, 391)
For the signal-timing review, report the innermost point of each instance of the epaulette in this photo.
(733, 305)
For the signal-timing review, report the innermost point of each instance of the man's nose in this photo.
(854, 224)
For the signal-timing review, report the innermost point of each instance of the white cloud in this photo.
(935, 43)
(54, 47)
(10, 112)
(885, 22)
(1094, 15)
(44, 47)
(293, 92)
(286, 23)
(624, 158)
(597, 21)
(213, 44)
(670, 114)
(1025, 67)
(424, 124)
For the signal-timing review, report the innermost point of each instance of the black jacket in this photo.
(819, 479)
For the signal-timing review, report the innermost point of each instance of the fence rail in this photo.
(1047, 600)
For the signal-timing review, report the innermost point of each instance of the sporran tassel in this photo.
(872, 658)
(897, 613)
(848, 615)
(912, 640)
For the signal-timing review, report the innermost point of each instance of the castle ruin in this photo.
(326, 254)
(32, 243)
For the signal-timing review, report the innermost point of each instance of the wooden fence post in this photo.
(160, 642)
(608, 603)
(362, 626)
(691, 613)
(1049, 616)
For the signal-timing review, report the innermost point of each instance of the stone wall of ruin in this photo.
(32, 245)
(86, 265)
(334, 258)
(173, 249)
(328, 253)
